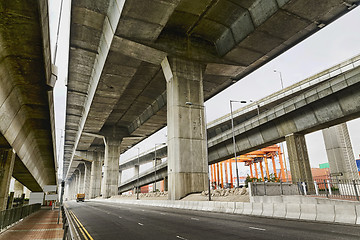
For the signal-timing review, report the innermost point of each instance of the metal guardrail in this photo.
(344, 189)
(70, 232)
(10, 216)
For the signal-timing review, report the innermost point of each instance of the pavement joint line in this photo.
(34, 230)
(255, 228)
(181, 237)
(83, 228)
(196, 219)
(141, 224)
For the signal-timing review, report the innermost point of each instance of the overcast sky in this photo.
(330, 46)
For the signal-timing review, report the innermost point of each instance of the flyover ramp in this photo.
(27, 79)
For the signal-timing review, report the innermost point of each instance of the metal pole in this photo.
(233, 137)
(155, 171)
(137, 191)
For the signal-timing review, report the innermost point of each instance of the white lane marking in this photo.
(162, 213)
(143, 210)
(141, 224)
(108, 212)
(181, 237)
(260, 229)
(196, 219)
(120, 217)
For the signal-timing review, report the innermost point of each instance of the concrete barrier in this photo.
(325, 212)
(257, 209)
(217, 207)
(268, 210)
(308, 212)
(279, 210)
(293, 210)
(205, 206)
(357, 208)
(248, 208)
(239, 208)
(345, 213)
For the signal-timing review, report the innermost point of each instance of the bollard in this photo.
(316, 188)
(356, 192)
(329, 185)
(304, 188)
(326, 191)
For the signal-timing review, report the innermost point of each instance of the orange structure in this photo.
(251, 159)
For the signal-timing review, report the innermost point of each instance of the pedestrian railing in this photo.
(10, 216)
(330, 188)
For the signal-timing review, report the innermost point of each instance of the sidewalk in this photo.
(39, 225)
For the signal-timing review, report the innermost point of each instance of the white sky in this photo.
(330, 46)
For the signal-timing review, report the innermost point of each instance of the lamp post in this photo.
(138, 175)
(233, 137)
(281, 80)
(156, 144)
(206, 139)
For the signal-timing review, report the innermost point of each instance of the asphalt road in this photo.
(123, 221)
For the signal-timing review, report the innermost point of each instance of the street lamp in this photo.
(233, 137)
(281, 80)
(138, 175)
(206, 139)
(156, 144)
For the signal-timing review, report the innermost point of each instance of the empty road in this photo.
(123, 221)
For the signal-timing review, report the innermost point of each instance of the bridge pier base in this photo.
(299, 160)
(187, 153)
(111, 167)
(7, 160)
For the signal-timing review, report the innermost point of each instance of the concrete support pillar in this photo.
(111, 167)
(7, 159)
(95, 179)
(87, 176)
(18, 189)
(298, 158)
(77, 176)
(81, 168)
(187, 153)
(10, 200)
(27, 193)
(339, 152)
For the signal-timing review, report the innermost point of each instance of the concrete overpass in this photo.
(326, 99)
(133, 65)
(27, 139)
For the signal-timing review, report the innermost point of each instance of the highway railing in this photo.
(70, 230)
(346, 189)
(11, 216)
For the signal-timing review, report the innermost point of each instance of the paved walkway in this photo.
(39, 225)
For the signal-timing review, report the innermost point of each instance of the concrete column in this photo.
(87, 176)
(10, 200)
(77, 176)
(7, 159)
(18, 189)
(81, 168)
(187, 153)
(111, 167)
(27, 193)
(298, 158)
(339, 152)
(95, 179)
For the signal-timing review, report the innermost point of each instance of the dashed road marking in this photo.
(120, 217)
(196, 219)
(141, 224)
(162, 213)
(181, 237)
(260, 229)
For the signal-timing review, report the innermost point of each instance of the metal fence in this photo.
(11, 216)
(329, 188)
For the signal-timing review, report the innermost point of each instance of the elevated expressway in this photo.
(326, 99)
(27, 131)
(127, 56)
